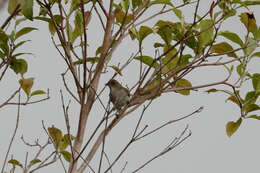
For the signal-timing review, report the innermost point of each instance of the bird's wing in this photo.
(112, 98)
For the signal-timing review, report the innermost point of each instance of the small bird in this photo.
(119, 95)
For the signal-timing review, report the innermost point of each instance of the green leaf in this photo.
(98, 51)
(213, 90)
(250, 108)
(116, 69)
(136, 3)
(52, 28)
(256, 81)
(170, 61)
(121, 17)
(2, 55)
(183, 83)
(256, 54)
(35, 161)
(24, 31)
(66, 155)
(251, 97)
(20, 44)
(26, 85)
(43, 11)
(147, 60)
(65, 141)
(234, 100)
(89, 59)
(163, 2)
(125, 4)
(206, 37)
(133, 33)
(254, 117)
(12, 5)
(143, 33)
(15, 162)
(68, 138)
(232, 127)
(252, 45)
(165, 33)
(4, 42)
(156, 45)
(78, 22)
(232, 37)
(45, 19)
(223, 48)
(18, 21)
(240, 69)
(178, 13)
(4, 37)
(56, 136)
(154, 84)
(38, 92)
(27, 8)
(19, 66)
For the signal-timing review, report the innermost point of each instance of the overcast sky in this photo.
(207, 150)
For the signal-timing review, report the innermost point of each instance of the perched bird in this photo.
(119, 95)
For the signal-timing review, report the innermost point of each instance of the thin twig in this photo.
(14, 133)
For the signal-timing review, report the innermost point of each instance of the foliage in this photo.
(180, 46)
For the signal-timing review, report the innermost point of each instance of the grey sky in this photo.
(207, 150)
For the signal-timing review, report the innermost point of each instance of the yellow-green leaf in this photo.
(223, 48)
(183, 83)
(153, 84)
(250, 108)
(163, 2)
(144, 32)
(12, 5)
(57, 19)
(35, 161)
(256, 81)
(232, 37)
(15, 162)
(78, 22)
(121, 18)
(232, 127)
(254, 117)
(256, 54)
(66, 155)
(65, 141)
(27, 8)
(133, 33)
(24, 31)
(206, 36)
(233, 99)
(136, 3)
(56, 135)
(26, 85)
(19, 66)
(116, 69)
(125, 4)
(213, 90)
(147, 60)
(38, 92)
(178, 13)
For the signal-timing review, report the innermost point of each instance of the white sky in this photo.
(207, 150)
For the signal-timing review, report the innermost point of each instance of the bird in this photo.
(119, 95)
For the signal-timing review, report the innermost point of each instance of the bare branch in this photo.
(14, 133)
